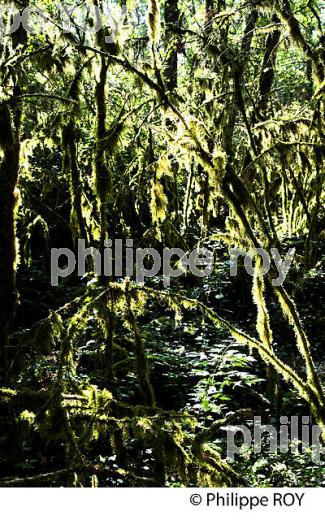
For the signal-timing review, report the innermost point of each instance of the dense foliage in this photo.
(178, 124)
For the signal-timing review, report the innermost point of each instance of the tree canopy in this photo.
(177, 124)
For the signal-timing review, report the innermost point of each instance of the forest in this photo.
(133, 131)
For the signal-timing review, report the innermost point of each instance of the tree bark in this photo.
(171, 20)
(9, 166)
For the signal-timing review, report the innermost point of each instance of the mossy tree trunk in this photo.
(171, 40)
(10, 122)
(9, 166)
